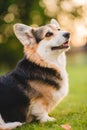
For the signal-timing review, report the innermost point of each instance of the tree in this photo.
(35, 12)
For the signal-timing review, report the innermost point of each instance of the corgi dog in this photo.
(39, 81)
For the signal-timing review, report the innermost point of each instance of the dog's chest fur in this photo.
(58, 94)
(50, 84)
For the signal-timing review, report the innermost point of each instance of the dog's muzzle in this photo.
(65, 45)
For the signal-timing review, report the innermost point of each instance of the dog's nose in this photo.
(66, 35)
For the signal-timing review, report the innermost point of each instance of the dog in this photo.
(39, 81)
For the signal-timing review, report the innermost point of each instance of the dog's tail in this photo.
(8, 126)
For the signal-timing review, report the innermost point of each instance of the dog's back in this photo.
(13, 101)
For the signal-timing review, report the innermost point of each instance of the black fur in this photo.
(37, 34)
(15, 93)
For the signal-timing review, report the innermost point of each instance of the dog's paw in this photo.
(46, 119)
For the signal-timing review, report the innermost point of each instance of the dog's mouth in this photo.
(63, 46)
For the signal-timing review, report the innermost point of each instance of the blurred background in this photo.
(71, 14)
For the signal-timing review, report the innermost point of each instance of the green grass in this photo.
(73, 109)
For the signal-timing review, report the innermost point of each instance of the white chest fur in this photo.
(59, 60)
(63, 91)
(60, 63)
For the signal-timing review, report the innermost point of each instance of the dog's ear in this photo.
(53, 21)
(24, 33)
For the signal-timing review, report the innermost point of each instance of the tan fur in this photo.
(46, 92)
(38, 107)
(44, 101)
(42, 88)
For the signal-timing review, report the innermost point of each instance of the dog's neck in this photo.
(33, 56)
(58, 60)
(50, 61)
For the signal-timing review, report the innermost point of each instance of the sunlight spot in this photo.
(9, 17)
(51, 7)
(80, 2)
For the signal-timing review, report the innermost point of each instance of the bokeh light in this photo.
(71, 15)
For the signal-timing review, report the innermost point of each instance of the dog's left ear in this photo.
(53, 21)
(24, 33)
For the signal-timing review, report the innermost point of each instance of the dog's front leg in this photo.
(39, 110)
(44, 118)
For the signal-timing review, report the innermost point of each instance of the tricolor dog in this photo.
(39, 81)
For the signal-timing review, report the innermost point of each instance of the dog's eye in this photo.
(48, 34)
(58, 29)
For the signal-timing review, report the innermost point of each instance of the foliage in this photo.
(31, 12)
(14, 11)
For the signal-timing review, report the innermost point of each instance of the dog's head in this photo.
(46, 40)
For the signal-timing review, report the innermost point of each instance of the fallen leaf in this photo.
(66, 127)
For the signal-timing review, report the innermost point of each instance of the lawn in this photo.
(73, 109)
